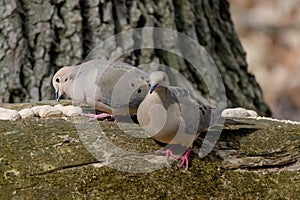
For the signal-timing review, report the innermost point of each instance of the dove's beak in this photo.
(152, 88)
(57, 96)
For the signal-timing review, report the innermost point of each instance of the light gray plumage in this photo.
(93, 82)
(169, 116)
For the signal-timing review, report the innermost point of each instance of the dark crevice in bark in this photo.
(180, 14)
(178, 5)
(137, 46)
(59, 7)
(53, 53)
(54, 46)
(128, 5)
(211, 3)
(40, 88)
(117, 15)
(17, 95)
(53, 56)
(201, 85)
(141, 22)
(22, 77)
(25, 32)
(137, 39)
(224, 11)
(118, 27)
(101, 12)
(27, 56)
(35, 40)
(86, 29)
(201, 27)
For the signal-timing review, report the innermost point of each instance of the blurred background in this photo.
(270, 34)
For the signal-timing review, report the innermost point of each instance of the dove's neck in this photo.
(160, 90)
(160, 96)
(68, 85)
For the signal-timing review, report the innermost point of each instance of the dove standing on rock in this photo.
(170, 117)
(93, 83)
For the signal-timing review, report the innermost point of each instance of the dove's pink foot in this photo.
(185, 158)
(102, 116)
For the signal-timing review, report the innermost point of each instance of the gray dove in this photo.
(93, 82)
(170, 117)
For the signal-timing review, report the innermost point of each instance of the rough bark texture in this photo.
(39, 36)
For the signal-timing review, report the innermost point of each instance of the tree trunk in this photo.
(40, 36)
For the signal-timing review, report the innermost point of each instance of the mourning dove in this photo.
(93, 82)
(170, 117)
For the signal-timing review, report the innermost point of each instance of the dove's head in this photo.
(60, 81)
(158, 80)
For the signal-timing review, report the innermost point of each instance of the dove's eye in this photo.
(57, 80)
(164, 79)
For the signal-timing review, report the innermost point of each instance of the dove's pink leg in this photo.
(102, 116)
(167, 152)
(185, 158)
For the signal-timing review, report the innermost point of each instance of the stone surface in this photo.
(45, 109)
(39, 110)
(26, 113)
(51, 112)
(238, 113)
(8, 114)
(252, 113)
(70, 110)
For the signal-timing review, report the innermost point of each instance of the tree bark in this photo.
(39, 36)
